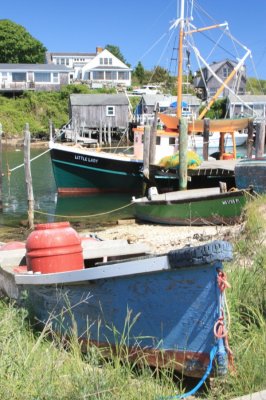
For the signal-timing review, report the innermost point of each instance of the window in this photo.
(19, 76)
(123, 75)
(42, 77)
(225, 72)
(4, 76)
(57, 61)
(110, 75)
(158, 140)
(98, 75)
(101, 61)
(106, 61)
(62, 61)
(55, 78)
(110, 61)
(110, 111)
(171, 141)
(67, 61)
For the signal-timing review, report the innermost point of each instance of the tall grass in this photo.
(247, 302)
(34, 366)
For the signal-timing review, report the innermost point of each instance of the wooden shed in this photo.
(96, 111)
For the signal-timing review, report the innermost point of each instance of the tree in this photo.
(160, 75)
(18, 46)
(139, 72)
(115, 50)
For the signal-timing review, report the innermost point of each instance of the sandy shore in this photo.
(162, 238)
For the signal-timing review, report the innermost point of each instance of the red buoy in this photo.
(54, 247)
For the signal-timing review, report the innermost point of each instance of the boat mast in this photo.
(180, 60)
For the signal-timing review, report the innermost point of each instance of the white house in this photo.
(74, 61)
(98, 69)
(106, 69)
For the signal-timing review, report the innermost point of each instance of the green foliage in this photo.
(217, 110)
(18, 46)
(247, 305)
(139, 73)
(37, 108)
(134, 101)
(256, 86)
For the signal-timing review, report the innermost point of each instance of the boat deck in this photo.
(215, 167)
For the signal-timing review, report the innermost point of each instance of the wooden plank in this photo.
(144, 266)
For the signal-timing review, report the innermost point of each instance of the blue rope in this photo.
(200, 383)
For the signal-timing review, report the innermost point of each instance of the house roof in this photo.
(151, 99)
(34, 67)
(247, 98)
(72, 54)
(98, 99)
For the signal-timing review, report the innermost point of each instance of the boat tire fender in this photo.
(218, 250)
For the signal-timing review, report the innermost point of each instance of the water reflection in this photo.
(49, 206)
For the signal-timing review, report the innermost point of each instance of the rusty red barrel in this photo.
(54, 247)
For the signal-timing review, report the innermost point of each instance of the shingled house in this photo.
(95, 111)
(206, 85)
(17, 78)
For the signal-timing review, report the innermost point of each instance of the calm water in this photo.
(46, 199)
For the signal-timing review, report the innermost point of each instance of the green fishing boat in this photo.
(192, 207)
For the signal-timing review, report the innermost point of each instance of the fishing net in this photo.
(193, 160)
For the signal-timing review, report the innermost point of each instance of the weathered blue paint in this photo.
(175, 311)
(251, 172)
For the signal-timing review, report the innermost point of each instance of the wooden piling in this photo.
(206, 135)
(183, 143)
(28, 178)
(101, 134)
(146, 151)
(109, 134)
(153, 135)
(250, 139)
(51, 130)
(1, 170)
(260, 140)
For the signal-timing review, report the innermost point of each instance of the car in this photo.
(146, 89)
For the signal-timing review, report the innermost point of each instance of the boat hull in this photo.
(161, 309)
(79, 173)
(251, 172)
(216, 209)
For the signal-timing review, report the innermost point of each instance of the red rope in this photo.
(219, 328)
(222, 281)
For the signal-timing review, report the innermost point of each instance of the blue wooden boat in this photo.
(251, 172)
(162, 308)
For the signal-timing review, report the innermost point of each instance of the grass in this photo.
(39, 366)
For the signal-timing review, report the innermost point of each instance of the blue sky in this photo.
(134, 26)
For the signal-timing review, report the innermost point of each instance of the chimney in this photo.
(99, 50)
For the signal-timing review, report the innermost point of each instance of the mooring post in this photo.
(183, 143)
(109, 134)
(206, 135)
(260, 140)
(153, 135)
(146, 151)
(1, 170)
(101, 134)
(28, 178)
(250, 139)
(51, 130)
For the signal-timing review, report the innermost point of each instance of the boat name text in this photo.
(231, 201)
(86, 159)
